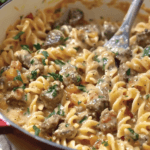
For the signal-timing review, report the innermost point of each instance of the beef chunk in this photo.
(52, 97)
(37, 65)
(54, 38)
(24, 57)
(75, 16)
(125, 72)
(109, 30)
(70, 75)
(96, 106)
(65, 131)
(71, 17)
(143, 38)
(16, 99)
(90, 28)
(108, 121)
(50, 124)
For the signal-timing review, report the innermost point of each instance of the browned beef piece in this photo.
(90, 28)
(50, 124)
(75, 16)
(24, 57)
(54, 38)
(125, 72)
(108, 121)
(96, 106)
(65, 131)
(36, 65)
(143, 38)
(71, 17)
(70, 75)
(52, 97)
(109, 30)
(16, 101)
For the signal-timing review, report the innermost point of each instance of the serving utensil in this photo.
(121, 39)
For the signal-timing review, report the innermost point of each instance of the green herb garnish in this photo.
(79, 102)
(37, 130)
(146, 51)
(25, 97)
(43, 62)
(61, 48)
(33, 74)
(22, 87)
(21, 17)
(28, 111)
(53, 113)
(85, 118)
(105, 143)
(134, 135)
(32, 61)
(100, 96)
(18, 35)
(147, 96)
(53, 89)
(56, 76)
(59, 62)
(95, 58)
(104, 63)
(18, 77)
(57, 27)
(60, 112)
(3, 1)
(76, 48)
(78, 78)
(117, 41)
(1, 72)
(45, 53)
(128, 71)
(68, 75)
(67, 125)
(37, 46)
(26, 47)
(82, 88)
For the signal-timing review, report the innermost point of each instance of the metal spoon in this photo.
(120, 41)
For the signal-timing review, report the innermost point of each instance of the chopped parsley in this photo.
(26, 97)
(82, 88)
(1, 72)
(146, 52)
(37, 46)
(105, 143)
(56, 76)
(67, 125)
(33, 74)
(43, 62)
(93, 148)
(147, 96)
(18, 77)
(128, 71)
(79, 102)
(61, 48)
(84, 118)
(22, 87)
(18, 35)
(59, 62)
(104, 63)
(100, 96)
(21, 17)
(67, 75)
(76, 48)
(53, 113)
(95, 58)
(78, 78)
(32, 61)
(11, 47)
(37, 130)
(53, 89)
(26, 47)
(102, 17)
(117, 41)
(67, 38)
(57, 10)
(28, 111)
(50, 139)
(100, 80)
(134, 135)
(60, 111)
(57, 27)
(45, 53)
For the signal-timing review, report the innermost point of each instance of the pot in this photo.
(113, 9)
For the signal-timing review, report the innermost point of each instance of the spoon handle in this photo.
(131, 15)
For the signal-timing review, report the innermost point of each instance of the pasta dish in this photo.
(58, 82)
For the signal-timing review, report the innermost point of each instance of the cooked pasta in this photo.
(58, 82)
